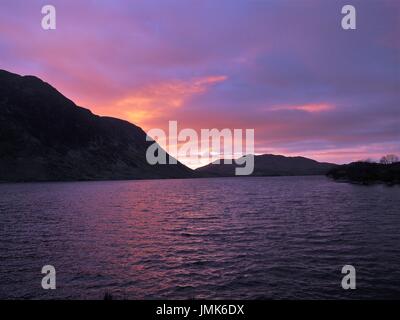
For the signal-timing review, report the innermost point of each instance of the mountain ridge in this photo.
(272, 165)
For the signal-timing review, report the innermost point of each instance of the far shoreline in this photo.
(160, 179)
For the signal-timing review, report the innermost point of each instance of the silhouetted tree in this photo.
(108, 296)
(389, 159)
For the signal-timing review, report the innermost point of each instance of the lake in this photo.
(222, 238)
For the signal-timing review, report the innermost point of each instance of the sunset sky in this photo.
(285, 68)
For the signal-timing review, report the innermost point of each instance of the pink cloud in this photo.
(147, 105)
(311, 108)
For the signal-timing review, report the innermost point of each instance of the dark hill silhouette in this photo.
(367, 173)
(45, 137)
(272, 165)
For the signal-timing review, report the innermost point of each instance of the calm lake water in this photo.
(233, 238)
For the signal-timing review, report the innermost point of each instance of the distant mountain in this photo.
(272, 165)
(45, 137)
(367, 173)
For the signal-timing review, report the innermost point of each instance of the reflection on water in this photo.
(250, 238)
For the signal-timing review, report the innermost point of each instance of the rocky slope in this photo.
(45, 137)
